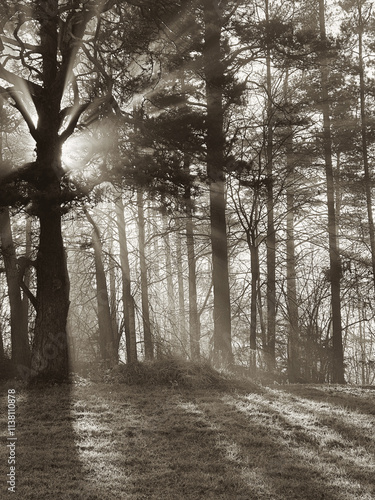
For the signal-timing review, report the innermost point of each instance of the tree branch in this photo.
(23, 264)
(19, 105)
(20, 83)
(74, 121)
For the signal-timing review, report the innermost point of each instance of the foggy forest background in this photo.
(209, 166)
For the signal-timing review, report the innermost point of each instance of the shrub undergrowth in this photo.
(172, 372)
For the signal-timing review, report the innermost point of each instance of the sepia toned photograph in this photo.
(187, 250)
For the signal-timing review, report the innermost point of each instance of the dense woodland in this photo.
(189, 178)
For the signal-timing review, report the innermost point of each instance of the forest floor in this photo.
(98, 441)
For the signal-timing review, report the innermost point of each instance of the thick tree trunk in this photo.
(19, 329)
(214, 77)
(127, 298)
(147, 333)
(334, 256)
(50, 359)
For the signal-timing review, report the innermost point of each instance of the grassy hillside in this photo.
(95, 440)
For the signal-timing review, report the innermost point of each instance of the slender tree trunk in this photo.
(147, 333)
(337, 180)
(368, 176)
(292, 305)
(362, 345)
(254, 261)
(26, 274)
(106, 337)
(214, 77)
(113, 299)
(127, 298)
(271, 235)
(293, 337)
(194, 321)
(19, 330)
(181, 296)
(170, 287)
(334, 256)
(2, 353)
(249, 221)
(262, 323)
(194, 318)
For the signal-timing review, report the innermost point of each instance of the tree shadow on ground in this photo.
(272, 465)
(199, 446)
(354, 398)
(351, 415)
(335, 461)
(166, 453)
(47, 463)
(117, 442)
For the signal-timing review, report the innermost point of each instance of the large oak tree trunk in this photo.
(50, 358)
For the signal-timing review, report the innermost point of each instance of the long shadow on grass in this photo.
(163, 451)
(197, 445)
(48, 465)
(352, 416)
(138, 443)
(270, 462)
(338, 425)
(354, 398)
(327, 466)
